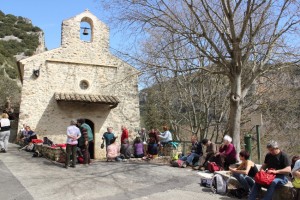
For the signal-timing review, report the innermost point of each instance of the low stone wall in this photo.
(52, 153)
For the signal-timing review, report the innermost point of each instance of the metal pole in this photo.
(258, 143)
(247, 139)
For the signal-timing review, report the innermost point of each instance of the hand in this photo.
(86, 143)
(271, 171)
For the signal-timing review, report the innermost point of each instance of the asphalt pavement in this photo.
(23, 177)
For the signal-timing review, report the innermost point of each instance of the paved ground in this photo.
(23, 177)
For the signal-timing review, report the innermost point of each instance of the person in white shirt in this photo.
(166, 136)
(4, 132)
(73, 133)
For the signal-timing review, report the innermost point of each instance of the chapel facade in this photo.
(80, 79)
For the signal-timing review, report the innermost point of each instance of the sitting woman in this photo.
(138, 148)
(227, 153)
(153, 142)
(296, 176)
(245, 172)
(113, 150)
(125, 149)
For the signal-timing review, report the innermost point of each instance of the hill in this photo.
(18, 39)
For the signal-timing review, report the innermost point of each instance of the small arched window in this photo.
(86, 31)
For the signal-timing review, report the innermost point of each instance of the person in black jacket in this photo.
(195, 154)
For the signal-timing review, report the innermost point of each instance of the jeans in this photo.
(246, 181)
(4, 136)
(189, 159)
(71, 148)
(280, 179)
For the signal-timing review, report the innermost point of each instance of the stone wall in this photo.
(62, 69)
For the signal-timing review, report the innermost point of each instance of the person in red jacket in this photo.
(124, 135)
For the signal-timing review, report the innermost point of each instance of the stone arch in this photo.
(87, 23)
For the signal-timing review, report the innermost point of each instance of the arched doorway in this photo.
(91, 146)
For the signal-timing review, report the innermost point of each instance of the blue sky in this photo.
(49, 14)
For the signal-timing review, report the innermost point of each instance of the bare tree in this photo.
(244, 39)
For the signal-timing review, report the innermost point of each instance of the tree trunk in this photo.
(235, 112)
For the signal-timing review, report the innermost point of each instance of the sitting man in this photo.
(195, 154)
(278, 163)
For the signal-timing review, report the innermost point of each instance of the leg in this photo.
(68, 152)
(190, 158)
(74, 155)
(6, 138)
(256, 188)
(242, 180)
(250, 181)
(279, 180)
(2, 136)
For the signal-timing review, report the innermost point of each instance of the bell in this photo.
(85, 31)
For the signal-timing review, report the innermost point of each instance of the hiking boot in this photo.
(2, 151)
(74, 166)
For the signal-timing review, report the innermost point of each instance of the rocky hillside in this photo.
(18, 39)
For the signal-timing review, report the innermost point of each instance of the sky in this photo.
(49, 14)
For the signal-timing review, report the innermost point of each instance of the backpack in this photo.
(264, 178)
(212, 167)
(206, 182)
(219, 185)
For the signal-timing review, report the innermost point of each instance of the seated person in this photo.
(296, 175)
(227, 153)
(245, 172)
(153, 142)
(196, 152)
(138, 148)
(29, 147)
(113, 150)
(30, 135)
(278, 163)
(125, 149)
(166, 136)
(211, 150)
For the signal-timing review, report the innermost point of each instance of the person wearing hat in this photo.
(277, 162)
(227, 153)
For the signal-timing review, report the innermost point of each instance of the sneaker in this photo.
(2, 151)
(74, 166)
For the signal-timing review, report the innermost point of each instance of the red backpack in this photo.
(212, 167)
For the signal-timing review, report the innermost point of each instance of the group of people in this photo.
(276, 162)
(154, 139)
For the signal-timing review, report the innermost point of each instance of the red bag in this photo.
(212, 167)
(264, 178)
(35, 141)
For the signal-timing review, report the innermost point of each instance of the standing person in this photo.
(245, 172)
(211, 150)
(227, 153)
(138, 148)
(195, 154)
(4, 132)
(73, 133)
(278, 163)
(82, 125)
(83, 144)
(124, 135)
(108, 136)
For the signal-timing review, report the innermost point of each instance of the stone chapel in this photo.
(80, 79)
